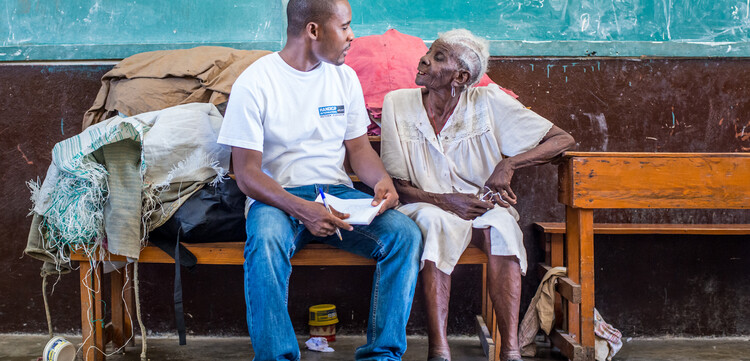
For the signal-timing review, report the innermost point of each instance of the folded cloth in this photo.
(123, 177)
(161, 79)
(37, 249)
(541, 312)
(608, 340)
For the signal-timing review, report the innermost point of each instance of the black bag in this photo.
(211, 214)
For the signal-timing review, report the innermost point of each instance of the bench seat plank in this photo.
(636, 228)
(230, 253)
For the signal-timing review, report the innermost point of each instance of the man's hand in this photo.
(499, 183)
(466, 206)
(320, 222)
(385, 192)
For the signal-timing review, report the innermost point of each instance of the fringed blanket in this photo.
(120, 178)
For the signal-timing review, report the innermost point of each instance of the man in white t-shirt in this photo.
(291, 119)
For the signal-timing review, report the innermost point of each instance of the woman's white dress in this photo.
(486, 124)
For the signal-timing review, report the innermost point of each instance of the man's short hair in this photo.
(301, 12)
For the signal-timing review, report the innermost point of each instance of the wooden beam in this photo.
(567, 345)
(663, 180)
(485, 293)
(498, 341)
(568, 289)
(87, 329)
(557, 257)
(485, 338)
(96, 287)
(92, 321)
(564, 182)
(652, 228)
(557, 250)
(231, 253)
(573, 262)
(117, 305)
(580, 229)
(109, 333)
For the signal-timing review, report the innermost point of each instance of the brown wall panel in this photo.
(647, 285)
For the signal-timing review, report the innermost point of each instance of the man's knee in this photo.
(406, 232)
(269, 232)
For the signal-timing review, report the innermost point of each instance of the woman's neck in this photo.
(439, 105)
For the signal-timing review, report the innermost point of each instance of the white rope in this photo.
(138, 311)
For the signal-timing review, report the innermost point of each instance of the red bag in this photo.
(388, 62)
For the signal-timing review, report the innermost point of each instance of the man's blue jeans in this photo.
(273, 237)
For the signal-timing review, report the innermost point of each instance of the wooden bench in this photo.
(97, 335)
(553, 238)
(589, 181)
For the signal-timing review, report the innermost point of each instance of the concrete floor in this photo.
(30, 347)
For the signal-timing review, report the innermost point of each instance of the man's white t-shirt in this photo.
(298, 120)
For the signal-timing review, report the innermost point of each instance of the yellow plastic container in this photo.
(323, 315)
(323, 320)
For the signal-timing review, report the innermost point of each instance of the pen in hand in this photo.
(323, 198)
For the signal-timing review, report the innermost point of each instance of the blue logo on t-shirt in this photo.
(331, 110)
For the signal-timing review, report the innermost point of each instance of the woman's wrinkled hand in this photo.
(466, 206)
(499, 183)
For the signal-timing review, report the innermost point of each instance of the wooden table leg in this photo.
(485, 293)
(117, 282)
(573, 262)
(92, 323)
(497, 340)
(483, 327)
(580, 237)
(122, 306)
(557, 259)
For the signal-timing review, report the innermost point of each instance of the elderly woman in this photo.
(452, 150)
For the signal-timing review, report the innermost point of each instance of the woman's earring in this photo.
(453, 91)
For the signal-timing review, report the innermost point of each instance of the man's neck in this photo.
(298, 54)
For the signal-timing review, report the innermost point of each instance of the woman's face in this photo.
(437, 68)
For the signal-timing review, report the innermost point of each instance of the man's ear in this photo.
(461, 79)
(312, 30)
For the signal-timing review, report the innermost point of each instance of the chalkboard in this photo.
(112, 29)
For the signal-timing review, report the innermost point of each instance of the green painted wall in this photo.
(112, 29)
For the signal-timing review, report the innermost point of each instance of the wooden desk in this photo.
(589, 181)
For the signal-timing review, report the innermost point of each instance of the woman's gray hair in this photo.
(470, 50)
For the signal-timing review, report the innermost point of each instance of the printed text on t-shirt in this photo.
(331, 110)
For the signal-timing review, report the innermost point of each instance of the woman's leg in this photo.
(436, 286)
(446, 236)
(504, 278)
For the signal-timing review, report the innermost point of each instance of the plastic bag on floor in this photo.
(319, 344)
